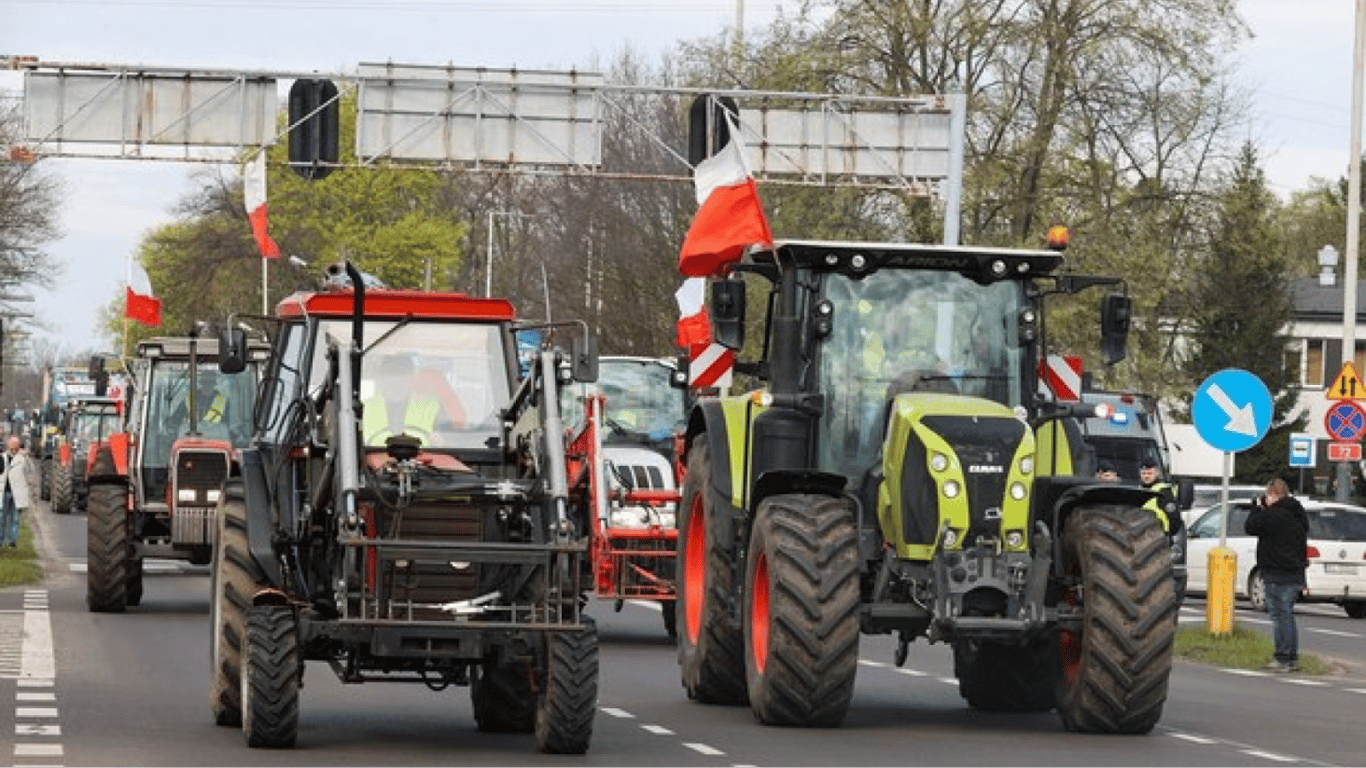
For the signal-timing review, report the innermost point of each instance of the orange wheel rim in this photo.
(758, 613)
(694, 570)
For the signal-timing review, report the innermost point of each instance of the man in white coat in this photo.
(14, 480)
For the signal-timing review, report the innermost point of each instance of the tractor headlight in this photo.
(939, 462)
(213, 495)
(1026, 465)
(186, 495)
(951, 489)
(1017, 491)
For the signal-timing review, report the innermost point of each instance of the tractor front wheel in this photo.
(108, 549)
(802, 611)
(568, 698)
(1116, 621)
(270, 677)
(710, 646)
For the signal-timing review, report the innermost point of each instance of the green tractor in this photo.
(900, 472)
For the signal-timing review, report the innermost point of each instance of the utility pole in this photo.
(1349, 272)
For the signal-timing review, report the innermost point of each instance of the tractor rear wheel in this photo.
(710, 648)
(134, 589)
(233, 578)
(996, 677)
(108, 549)
(502, 697)
(61, 488)
(270, 677)
(568, 698)
(802, 611)
(1116, 624)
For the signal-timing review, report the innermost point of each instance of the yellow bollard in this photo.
(1223, 569)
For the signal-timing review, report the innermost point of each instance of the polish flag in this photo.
(729, 217)
(254, 187)
(693, 325)
(144, 309)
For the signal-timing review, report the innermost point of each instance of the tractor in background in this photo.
(85, 423)
(624, 447)
(156, 487)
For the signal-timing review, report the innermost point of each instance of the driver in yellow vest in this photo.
(396, 407)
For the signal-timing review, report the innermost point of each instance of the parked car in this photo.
(1336, 549)
(1207, 495)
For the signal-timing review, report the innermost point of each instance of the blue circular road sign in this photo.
(1232, 410)
(1345, 421)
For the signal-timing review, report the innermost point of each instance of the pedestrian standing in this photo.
(14, 479)
(1282, 529)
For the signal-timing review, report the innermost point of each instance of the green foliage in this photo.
(20, 566)
(1242, 648)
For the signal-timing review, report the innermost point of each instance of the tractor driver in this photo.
(408, 401)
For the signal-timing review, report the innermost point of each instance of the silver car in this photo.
(1336, 550)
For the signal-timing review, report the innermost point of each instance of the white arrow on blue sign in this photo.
(1232, 410)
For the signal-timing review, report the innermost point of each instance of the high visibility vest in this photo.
(1154, 504)
(217, 409)
(418, 419)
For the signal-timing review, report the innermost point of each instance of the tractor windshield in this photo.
(444, 383)
(912, 331)
(640, 402)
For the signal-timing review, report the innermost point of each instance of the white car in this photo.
(1336, 549)
(1207, 495)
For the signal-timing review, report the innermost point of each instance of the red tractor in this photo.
(623, 453)
(404, 515)
(156, 487)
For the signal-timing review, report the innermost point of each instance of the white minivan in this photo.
(1336, 550)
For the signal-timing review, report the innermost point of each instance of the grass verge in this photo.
(20, 566)
(1241, 649)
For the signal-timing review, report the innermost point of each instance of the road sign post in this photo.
(1232, 412)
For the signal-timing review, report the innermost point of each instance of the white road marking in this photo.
(658, 730)
(34, 729)
(702, 748)
(1193, 738)
(614, 712)
(34, 696)
(1269, 755)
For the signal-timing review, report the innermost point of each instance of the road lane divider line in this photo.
(703, 749)
(37, 672)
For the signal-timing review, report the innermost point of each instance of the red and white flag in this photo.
(254, 187)
(144, 309)
(693, 324)
(729, 218)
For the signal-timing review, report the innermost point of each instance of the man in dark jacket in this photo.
(1281, 527)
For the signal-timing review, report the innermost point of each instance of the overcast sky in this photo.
(1298, 66)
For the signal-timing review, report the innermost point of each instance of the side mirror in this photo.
(1115, 311)
(232, 350)
(584, 350)
(728, 313)
(1185, 493)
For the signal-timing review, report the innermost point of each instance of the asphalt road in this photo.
(131, 689)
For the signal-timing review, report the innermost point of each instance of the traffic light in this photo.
(707, 129)
(314, 115)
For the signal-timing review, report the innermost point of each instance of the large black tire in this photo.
(802, 611)
(1355, 609)
(710, 646)
(996, 677)
(234, 576)
(503, 698)
(1116, 633)
(270, 684)
(61, 488)
(134, 590)
(568, 698)
(45, 479)
(109, 549)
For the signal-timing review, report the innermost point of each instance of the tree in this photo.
(1240, 303)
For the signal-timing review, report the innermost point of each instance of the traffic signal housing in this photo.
(314, 133)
